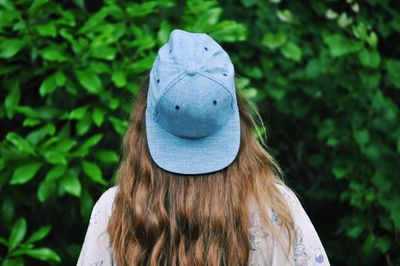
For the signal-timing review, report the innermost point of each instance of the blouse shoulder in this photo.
(106, 200)
(96, 249)
(307, 246)
(102, 209)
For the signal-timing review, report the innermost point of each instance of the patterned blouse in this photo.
(265, 249)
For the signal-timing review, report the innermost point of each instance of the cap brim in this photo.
(194, 156)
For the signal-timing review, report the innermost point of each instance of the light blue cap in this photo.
(192, 116)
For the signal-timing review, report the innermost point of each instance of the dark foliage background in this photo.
(325, 75)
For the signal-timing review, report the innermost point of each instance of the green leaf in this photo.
(55, 172)
(330, 14)
(12, 99)
(7, 210)
(372, 80)
(90, 81)
(368, 245)
(47, 143)
(143, 64)
(3, 241)
(21, 249)
(18, 232)
(44, 254)
(36, 4)
(393, 69)
(48, 29)
(107, 156)
(7, 4)
(398, 144)
(119, 78)
(20, 143)
(340, 45)
(54, 53)
(342, 169)
(344, 20)
(285, 15)
(276, 93)
(249, 3)
(339, 172)
(39, 234)
(370, 58)
(372, 39)
(292, 51)
(65, 145)
(46, 189)
(48, 85)
(42, 112)
(208, 18)
(60, 78)
(360, 30)
(36, 136)
(164, 31)
(2, 164)
(113, 103)
(13, 262)
(274, 41)
(54, 157)
(83, 125)
(326, 129)
(106, 53)
(24, 173)
(92, 141)
(229, 31)
(93, 172)
(31, 122)
(394, 211)
(140, 10)
(71, 184)
(355, 231)
(84, 148)
(383, 244)
(361, 136)
(10, 47)
(78, 113)
(371, 152)
(119, 125)
(98, 116)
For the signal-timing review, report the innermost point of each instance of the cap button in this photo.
(191, 70)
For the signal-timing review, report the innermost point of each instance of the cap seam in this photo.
(222, 85)
(166, 91)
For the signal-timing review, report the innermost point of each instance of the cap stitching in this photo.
(180, 76)
(210, 78)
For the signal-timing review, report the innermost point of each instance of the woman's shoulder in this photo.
(105, 202)
(293, 200)
(307, 246)
(96, 249)
(109, 194)
(296, 208)
(287, 192)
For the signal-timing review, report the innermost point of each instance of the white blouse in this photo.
(265, 249)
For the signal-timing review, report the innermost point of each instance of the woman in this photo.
(195, 187)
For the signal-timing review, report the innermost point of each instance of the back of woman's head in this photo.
(164, 218)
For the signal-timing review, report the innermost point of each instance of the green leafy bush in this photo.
(325, 75)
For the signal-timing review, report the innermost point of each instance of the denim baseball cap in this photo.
(192, 116)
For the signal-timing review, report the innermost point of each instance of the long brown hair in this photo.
(162, 218)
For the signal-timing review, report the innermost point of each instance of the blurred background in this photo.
(324, 74)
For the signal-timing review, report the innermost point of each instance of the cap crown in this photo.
(191, 90)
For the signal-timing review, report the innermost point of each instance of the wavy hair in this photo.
(162, 218)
